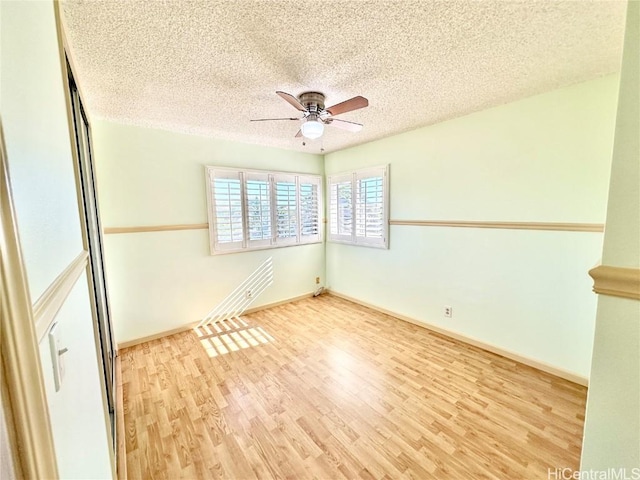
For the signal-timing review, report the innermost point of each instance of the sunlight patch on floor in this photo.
(231, 335)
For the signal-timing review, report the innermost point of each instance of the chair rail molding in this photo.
(553, 226)
(156, 228)
(46, 307)
(616, 281)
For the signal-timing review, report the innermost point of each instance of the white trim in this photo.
(20, 360)
(47, 306)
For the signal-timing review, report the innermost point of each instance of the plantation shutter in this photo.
(226, 209)
(340, 189)
(286, 209)
(257, 192)
(359, 207)
(257, 209)
(370, 207)
(310, 198)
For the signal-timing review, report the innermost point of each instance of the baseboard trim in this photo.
(156, 336)
(192, 325)
(558, 372)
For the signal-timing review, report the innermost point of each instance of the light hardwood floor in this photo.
(327, 389)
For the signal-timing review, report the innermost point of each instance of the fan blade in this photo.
(345, 125)
(299, 134)
(292, 100)
(269, 119)
(348, 105)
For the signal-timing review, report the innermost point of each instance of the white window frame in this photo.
(350, 236)
(272, 178)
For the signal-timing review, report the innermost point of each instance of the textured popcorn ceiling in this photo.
(208, 67)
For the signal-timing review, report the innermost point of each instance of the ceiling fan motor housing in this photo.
(312, 101)
(315, 116)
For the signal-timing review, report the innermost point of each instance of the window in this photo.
(286, 209)
(359, 207)
(257, 209)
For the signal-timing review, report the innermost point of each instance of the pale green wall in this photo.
(34, 118)
(164, 280)
(612, 424)
(38, 147)
(542, 159)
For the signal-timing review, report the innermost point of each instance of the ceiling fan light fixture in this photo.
(312, 129)
(315, 116)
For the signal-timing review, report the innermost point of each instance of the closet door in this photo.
(93, 233)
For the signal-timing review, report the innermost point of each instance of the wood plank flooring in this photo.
(326, 389)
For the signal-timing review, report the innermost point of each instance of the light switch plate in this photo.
(56, 355)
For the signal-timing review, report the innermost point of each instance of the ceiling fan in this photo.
(315, 116)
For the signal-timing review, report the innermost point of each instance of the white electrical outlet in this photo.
(249, 294)
(448, 311)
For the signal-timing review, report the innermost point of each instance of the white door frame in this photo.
(25, 400)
